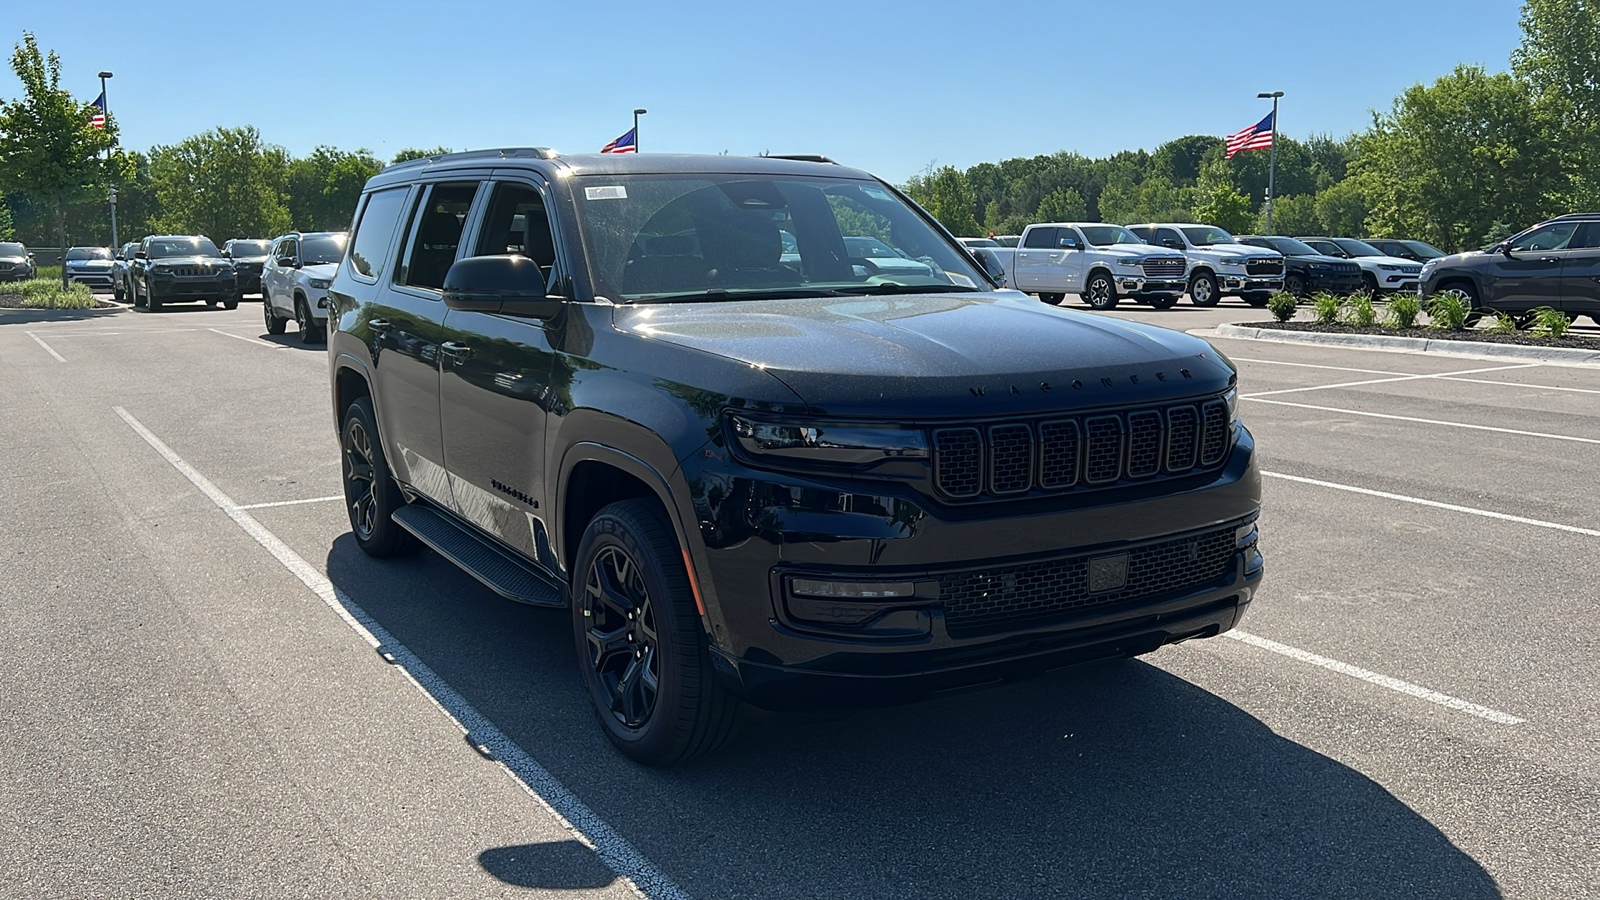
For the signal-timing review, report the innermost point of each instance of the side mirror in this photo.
(991, 264)
(1068, 243)
(510, 284)
(1171, 244)
(1504, 247)
(140, 254)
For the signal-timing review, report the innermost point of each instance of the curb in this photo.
(1568, 355)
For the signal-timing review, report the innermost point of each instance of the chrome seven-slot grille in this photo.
(1264, 265)
(1165, 267)
(1030, 594)
(1091, 450)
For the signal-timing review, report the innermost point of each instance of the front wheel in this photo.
(151, 303)
(231, 302)
(1203, 290)
(116, 291)
(643, 654)
(1369, 282)
(1296, 285)
(1100, 293)
(370, 493)
(1162, 301)
(1053, 299)
(276, 324)
(304, 321)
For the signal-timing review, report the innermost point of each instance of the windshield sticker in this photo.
(876, 193)
(610, 192)
(962, 280)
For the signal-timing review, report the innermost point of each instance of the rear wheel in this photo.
(644, 656)
(370, 493)
(1100, 292)
(1203, 290)
(1053, 299)
(276, 324)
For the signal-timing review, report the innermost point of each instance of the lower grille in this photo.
(1033, 594)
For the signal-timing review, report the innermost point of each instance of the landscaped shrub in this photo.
(1450, 311)
(1403, 311)
(1504, 323)
(1282, 305)
(1362, 313)
(1327, 308)
(40, 293)
(1550, 323)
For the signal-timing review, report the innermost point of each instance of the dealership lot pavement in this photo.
(210, 691)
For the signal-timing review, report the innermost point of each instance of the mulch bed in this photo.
(1572, 340)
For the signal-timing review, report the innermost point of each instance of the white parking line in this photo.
(1393, 684)
(240, 337)
(47, 348)
(1536, 387)
(573, 814)
(1471, 511)
(1329, 387)
(290, 502)
(1420, 421)
(1279, 362)
(61, 333)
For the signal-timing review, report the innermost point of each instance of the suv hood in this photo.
(319, 270)
(1236, 250)
(940, 355)
(1385, 261)
(190, 261)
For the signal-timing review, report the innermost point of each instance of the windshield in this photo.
(1106, 235)
(168, 247)
(320, 249)
(1426, 251)
(979, 242)
(1203, 235)
(712, 236)
(1289, 246)
(1357, 248)
(77, 253)
(249, 248)
(7, 249)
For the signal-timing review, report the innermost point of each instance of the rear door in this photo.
(494, 382)
(1034, 259)
(1580, 273)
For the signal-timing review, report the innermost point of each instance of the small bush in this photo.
(1504, 323)
(1362, 313)
(48, 273)
(1550, 323)
(1282, 305)
(1450, 311)
(1403, 311)
(1327, 308)
(42, 293)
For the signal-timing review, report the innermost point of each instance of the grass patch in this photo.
(48, 273)
(1282, 305)
(44, 293)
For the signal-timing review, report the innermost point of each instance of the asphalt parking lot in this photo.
(211, 692)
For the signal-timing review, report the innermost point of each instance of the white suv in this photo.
(1096, 261)
(295, 279)
(1219, 266)
(1380, 272)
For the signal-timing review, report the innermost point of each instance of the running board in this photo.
(508, 577)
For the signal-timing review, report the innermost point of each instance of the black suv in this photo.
(172, 268)
(248, 255)
(660, 390)
(1416, 251)
(1554, 264)
(1307, 271)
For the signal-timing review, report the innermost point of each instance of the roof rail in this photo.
(503, 153)
(803, 157)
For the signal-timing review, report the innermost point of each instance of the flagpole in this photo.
(1272, 158)
(636, 114)
(111, 189)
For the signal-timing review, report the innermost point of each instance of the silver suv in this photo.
(295, 279)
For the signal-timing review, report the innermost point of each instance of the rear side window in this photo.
(1040, 239)
(375, 230)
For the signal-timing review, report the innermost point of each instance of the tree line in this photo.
(1459, 163)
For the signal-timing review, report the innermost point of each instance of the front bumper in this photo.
(193, 287)
(93, 279)
(1250, 284)
(1334, 284)
(988, 594)
(1138, 284)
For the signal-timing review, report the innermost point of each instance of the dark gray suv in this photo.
(670, 393)
(1554, 264)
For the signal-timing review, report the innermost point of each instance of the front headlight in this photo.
(319, 284)
(1429, 266)
(1130, 263)
(1390, 267)
(830, 443)
(1233, 260)
(1231, 399)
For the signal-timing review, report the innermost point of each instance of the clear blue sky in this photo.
(886, 87)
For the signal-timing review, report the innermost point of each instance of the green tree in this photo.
(411, 153)
(323, 188)
(1342, 209)
(1061, 205)
(224, 183)
(1559, 59)
(1452, 157)
(47, 147)
(5, 222)
(1292, 215)
(1218, 202)
(945, 194)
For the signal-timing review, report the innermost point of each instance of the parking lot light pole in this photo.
(636, 114)
(111, 190)
(1272, 153)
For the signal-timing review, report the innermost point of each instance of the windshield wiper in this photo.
(894, 288)
(722, 295)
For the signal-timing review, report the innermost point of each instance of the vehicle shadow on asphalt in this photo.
(1112, 780)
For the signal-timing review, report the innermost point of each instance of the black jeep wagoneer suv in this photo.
(662, 391)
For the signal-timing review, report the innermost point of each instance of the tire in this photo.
(116, 291)
(1101, 292)
(1296, 285)
(1203, 290)
(634, 619)
(370, 493)
(304, 321)
(151, 303)
(1053, 299)
(1162, 301)
(1466, 289)
(231, 302)
(1370, 282)
(211, 303)
(1257, 300)
(276, 324)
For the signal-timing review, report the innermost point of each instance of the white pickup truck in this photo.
(1096, 261)
(1218, 264)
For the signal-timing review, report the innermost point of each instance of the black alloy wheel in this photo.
(642, 650)
(1370, 282)
(1100, 292)
(276, 324)
(151, 303)
(303, 319)
(1203, 290)
(1296, 285)
(370, 493)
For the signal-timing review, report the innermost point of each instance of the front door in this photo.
(494, 385)
(1034, 260)
(1528, 274)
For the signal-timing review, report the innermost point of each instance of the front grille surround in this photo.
(1262, 265)
(1168, 267)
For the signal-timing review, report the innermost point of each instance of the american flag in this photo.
(625, 144)
(1256, 137)
(98, 120)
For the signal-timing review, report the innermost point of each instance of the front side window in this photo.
(1106, 235)
(1169, 237)
(375, 230)
(517, 223)
(1550, 237)
(1206, 235)
(434, 235)
(663, 237)
(1354, 248)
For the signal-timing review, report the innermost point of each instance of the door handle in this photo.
(379, 325)
(454, 350)
(1550, 259)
